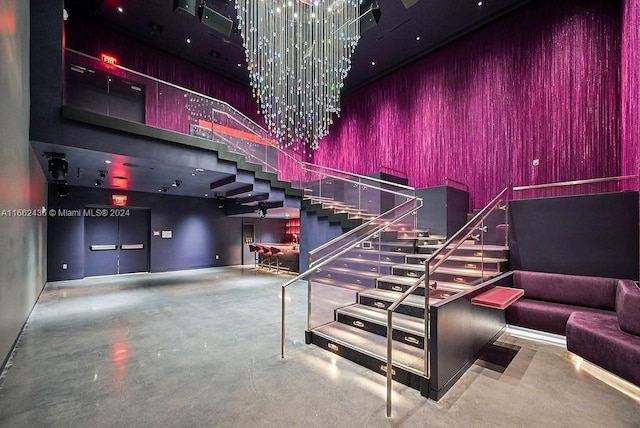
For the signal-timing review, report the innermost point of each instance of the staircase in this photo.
(359, 330)
(380, 270)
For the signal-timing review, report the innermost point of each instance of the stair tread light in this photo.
(298, 55)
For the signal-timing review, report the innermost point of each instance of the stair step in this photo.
(404, 282)
(388, 297)
(402, 322)
(471, 259)
(487, 248)
(475, 273)
(405, 356)
(351, 285)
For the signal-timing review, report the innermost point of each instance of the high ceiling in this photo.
(402, 34)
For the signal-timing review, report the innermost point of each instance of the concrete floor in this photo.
(201, 349)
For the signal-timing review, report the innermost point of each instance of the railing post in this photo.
(389, 359)
(282, 341)
(310, 258)
(426, 320)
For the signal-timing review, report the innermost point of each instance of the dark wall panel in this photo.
(582, 235)
(444, 211)
(314, 232)
(201, 235)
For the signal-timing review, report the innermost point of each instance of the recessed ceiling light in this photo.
(120, 9)
(373, 63)
(206, 194)
(199, 170)
(418, 38)
(193, 174)
(479, 3)
(239, 65)
(107, 161)
(188, 40)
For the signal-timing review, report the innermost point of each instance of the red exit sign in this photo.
(109, 59)
(119, 200)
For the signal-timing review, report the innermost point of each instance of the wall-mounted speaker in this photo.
(185, 6)
(370, 19)
(215, 20)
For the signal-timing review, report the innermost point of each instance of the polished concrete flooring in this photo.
(202, 349)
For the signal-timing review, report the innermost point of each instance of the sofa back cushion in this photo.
(628, 307)
(589, 291)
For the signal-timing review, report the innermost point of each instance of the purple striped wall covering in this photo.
(631, 87)
(543, 82)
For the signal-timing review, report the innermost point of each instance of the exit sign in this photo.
(119, 200)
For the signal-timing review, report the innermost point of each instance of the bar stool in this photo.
(254, 250)
(267, 256)
(260, 256)
(275, 252)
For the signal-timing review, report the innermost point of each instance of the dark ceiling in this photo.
(402, 35)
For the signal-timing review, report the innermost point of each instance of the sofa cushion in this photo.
(628, 307)
(544, 316)
(588, 291)
(597, 338)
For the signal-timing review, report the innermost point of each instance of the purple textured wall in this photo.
(541, 83)
(631, 87)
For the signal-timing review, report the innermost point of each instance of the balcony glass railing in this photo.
(116, 91)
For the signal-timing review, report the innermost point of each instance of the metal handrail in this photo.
(377, 180)
(456, 181)
(164, 82)
(461, 236)
(323, 263)
(304, 165)
(362, 226)
(574, 182)
(482, 215)
(358, 183)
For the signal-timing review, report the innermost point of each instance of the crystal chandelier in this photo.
(298, 54)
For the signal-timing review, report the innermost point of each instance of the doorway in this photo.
(116, 244)
(248, 237)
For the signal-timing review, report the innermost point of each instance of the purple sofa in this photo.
(600, 317)
(611, 341)
(550, 299)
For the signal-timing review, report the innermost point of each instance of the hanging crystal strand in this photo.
(298, 54)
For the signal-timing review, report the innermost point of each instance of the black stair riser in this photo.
(404, 377)
(456, 278)
(360, 265)
(408, 271)
(479, 252)
(401, 288)
(375, 255)
(399, 335)
(394, 247)
(383, 304)
(333, 283)
(494, 266)
(345, 278)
